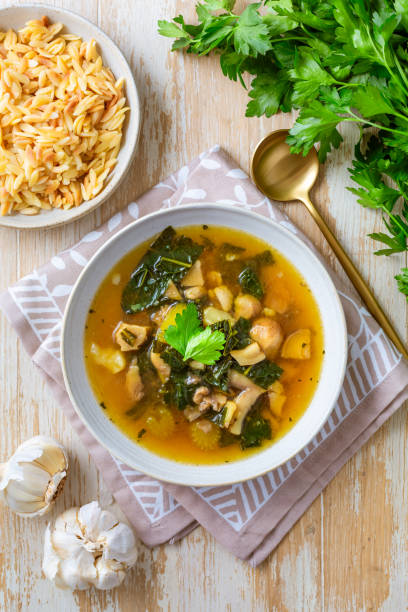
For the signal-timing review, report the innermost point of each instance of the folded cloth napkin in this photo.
(252, 517)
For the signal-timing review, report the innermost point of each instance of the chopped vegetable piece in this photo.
(109, 358)
(277, 398)
(195, 293)
(214, 278)
(224, 296)
(205, 434)
(194, 276)
(131, 337)
(268, 333)
(214, 315)
(172, 292)
(160, 422)
(297, 345)
(247, 306)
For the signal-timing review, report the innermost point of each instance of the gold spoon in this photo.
(282, 175)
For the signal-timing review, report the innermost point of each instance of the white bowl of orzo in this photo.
(69, 116)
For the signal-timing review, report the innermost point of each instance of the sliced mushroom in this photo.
(297, 345)
(244, 402)
(224, 296)
(134, 384)
(268, 333)
(240, 381)
(249, 355)
(194, 276)
(195, 293)
(277, 398)
(246, 306)
(163, 369)
(131, 337)
(172, 292)
(206, 400)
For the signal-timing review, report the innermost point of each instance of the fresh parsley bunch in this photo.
(335, 60)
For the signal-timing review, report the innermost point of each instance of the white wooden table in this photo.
(349, 551)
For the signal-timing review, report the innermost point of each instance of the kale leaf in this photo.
(263, 373)
(255, 429)
(168, 258)
(173, 358)
(177, 391)
(250, 282)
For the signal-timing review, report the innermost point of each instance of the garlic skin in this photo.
(34, 476)
(88, 547)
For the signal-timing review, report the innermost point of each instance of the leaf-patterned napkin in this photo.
(252, 517)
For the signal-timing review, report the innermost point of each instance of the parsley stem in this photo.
(400, 70)
(356, 118)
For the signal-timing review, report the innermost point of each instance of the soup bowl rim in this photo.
(120, 445)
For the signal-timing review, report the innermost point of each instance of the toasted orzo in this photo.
(61, 118)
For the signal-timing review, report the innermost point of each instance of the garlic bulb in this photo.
(88, 546)
(34, 476)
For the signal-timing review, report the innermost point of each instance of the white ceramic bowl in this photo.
(15, 17)
(132, 454)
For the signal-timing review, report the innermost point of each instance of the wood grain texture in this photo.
(349, 551)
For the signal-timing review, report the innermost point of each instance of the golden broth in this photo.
(300, 377)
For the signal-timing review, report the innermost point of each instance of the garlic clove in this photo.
(34, 476)
(108, 575)
(117, 544)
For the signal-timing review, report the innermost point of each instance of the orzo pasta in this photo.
(61, 118)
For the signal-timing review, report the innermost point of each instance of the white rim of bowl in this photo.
(113, 183)
(197, 483)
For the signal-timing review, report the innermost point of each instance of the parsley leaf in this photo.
(205, 347)
(187, 324)
(251, 34)
(193, 342)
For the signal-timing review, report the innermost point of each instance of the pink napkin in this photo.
(252, 517)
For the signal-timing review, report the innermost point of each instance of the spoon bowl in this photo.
(280, 174)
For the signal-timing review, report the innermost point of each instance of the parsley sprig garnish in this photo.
(336, 61)
(191, 340)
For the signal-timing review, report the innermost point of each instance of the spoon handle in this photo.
(355, 277)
